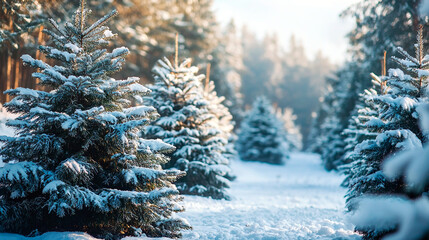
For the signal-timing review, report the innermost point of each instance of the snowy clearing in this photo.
(299, 200)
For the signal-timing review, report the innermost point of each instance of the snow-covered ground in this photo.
(299, 200)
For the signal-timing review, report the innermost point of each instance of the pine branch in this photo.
(100, 22)
(55, 25)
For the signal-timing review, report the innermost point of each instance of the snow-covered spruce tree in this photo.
(333, 117)
(223, 122)
(77, 162)
(187, 123)
(403, 217)
(293, 133)
(361, 128)
(397, 124)
(261, 135)
(18, 17)
(362, 163)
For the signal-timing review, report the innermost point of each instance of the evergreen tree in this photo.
(188, 123)
(77, 163)
(363, 159)
(197, 27)
(226, 66)
(18, 17)
(380, 25)
(293, 133)
(262, 136)
(360, 127)
(397, 124)
(403, 217)
(222, 117)
(316, 135)
(338, 105)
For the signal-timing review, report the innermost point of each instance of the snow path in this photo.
(299, 200)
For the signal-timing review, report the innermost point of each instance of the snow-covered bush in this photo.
(262, 136)
(187, 123)
(77, 162)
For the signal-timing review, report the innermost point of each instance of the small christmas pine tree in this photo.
(77, 163)
(187, 123)
(261, 136)
(222, 121)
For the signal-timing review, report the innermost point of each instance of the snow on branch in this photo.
(100, 22)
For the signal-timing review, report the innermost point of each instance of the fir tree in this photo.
(380, 25)
(397, 127)
(18, 17)
(361, 127)
(293, 133)
(403, 217)
(261, 136)
(226, 66)
(336, 109)
(223, 121)
(187, 123)
(77, 163)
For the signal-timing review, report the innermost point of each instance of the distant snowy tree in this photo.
(77, 162)
(227, 65)
(191, 124)
(262, 136)
(273, 53)
(18, 17)
(333, 119)
(397, 124)
(293, 133)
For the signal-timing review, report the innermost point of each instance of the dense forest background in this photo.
(242, 66)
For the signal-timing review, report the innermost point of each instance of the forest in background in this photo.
(242, 66)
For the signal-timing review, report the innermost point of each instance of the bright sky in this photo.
(315, 22)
